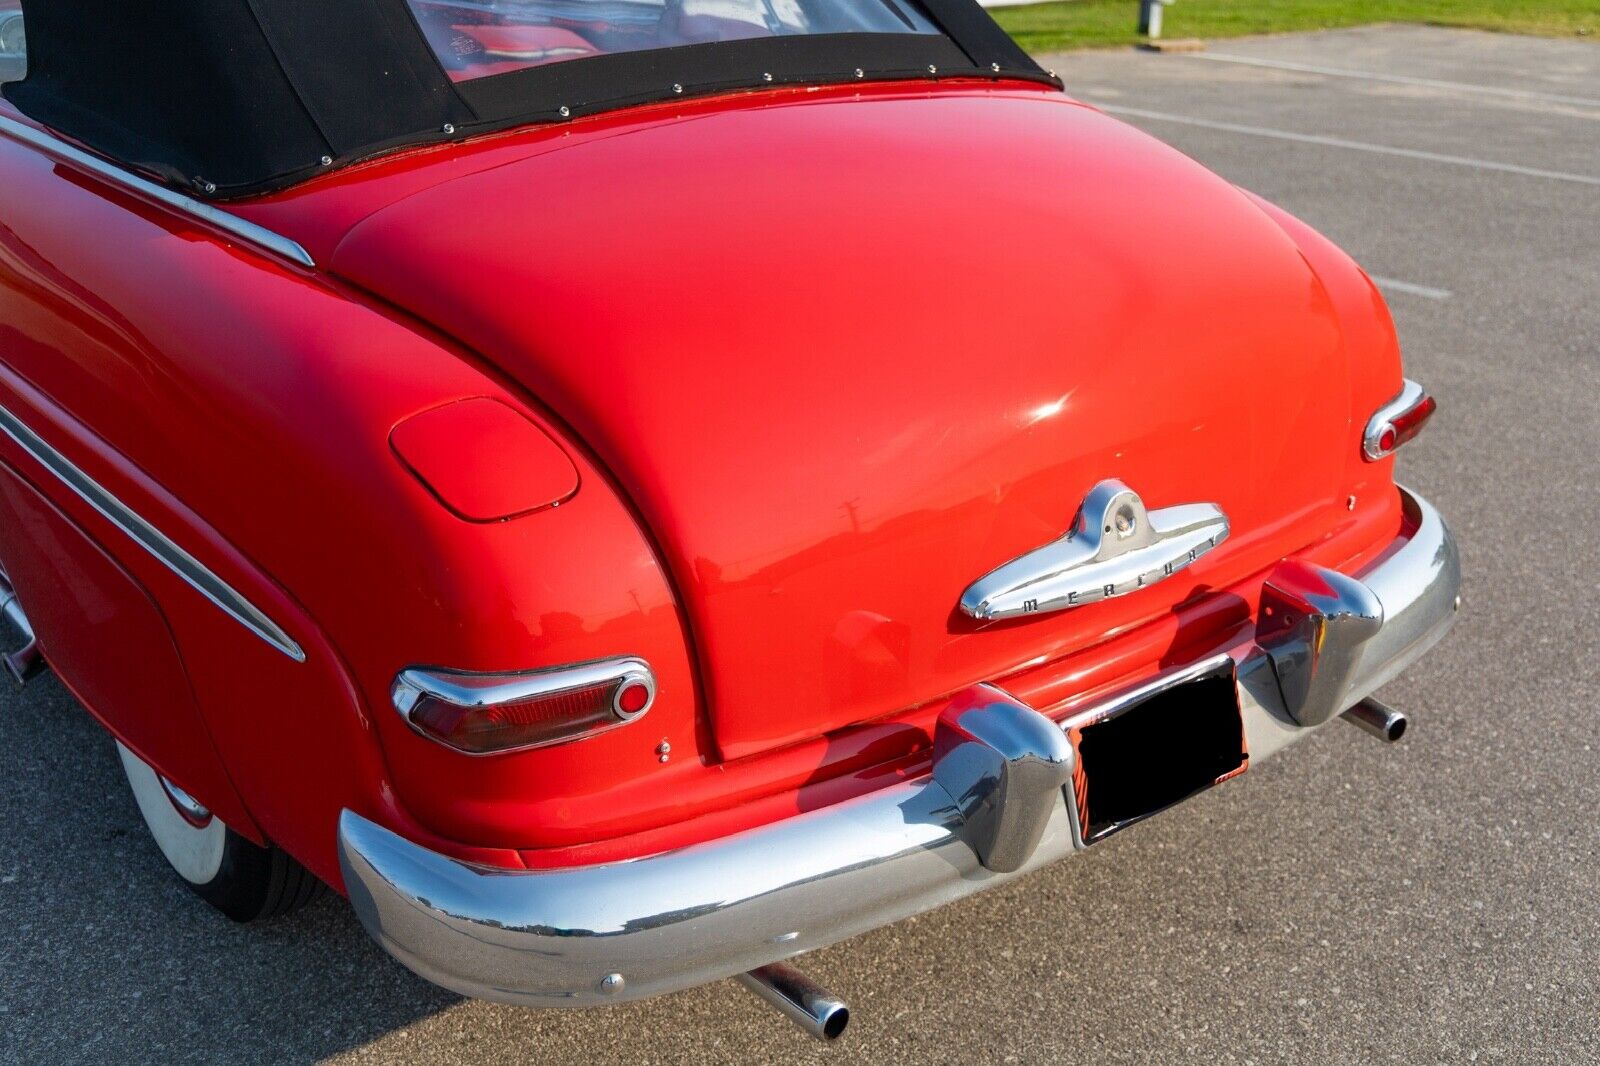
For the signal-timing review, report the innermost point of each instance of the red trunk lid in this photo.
(847, 355)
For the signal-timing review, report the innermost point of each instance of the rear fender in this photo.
(244, 409)
(1364, 320)
(109, 642)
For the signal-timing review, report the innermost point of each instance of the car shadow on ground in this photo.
(106, 955)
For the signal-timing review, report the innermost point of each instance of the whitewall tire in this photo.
(242, 880)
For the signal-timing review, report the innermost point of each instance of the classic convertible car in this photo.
(631, 491)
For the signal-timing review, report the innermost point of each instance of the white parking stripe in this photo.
(1398, 79)
(1357, 146)
(1425, 291)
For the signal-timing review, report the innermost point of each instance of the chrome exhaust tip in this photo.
(1379, 719)
(798, 998)
(26, 662)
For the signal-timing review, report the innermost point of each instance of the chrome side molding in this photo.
(1314, 622)
(232, 224)
(152, 540)
(795, 996)
(1115, 547)
(1005, 767)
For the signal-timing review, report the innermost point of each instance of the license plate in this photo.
(1140, 758)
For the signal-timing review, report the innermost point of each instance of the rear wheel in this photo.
(243, 881)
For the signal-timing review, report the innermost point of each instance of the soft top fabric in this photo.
(232, 98)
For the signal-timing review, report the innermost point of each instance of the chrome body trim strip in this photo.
(629, 930)
(152, 540)
(230, 223)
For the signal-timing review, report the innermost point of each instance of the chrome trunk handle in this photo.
(1115, 547)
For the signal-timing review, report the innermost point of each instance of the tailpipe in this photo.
(798, 998)
(1377, 718)
(26, 662)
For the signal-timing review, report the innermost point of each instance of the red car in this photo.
(631, 491)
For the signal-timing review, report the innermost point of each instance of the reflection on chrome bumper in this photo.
(628, 930)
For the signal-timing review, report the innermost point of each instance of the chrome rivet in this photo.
(449, 128)
(860, 73)
(1350, 504)
(612, 983)
(677, 88)
(327, 160)
(566, 112)
(1051, 73)
(932, 69)
(663, 748)
(766, 77)
(995, 67)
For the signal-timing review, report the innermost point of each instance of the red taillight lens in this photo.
(1410, 424)
(1397, 422)
(485, 713)
(633, 698)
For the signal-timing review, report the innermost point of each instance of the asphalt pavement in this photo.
(1349, 902)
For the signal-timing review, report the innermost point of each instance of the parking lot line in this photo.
(1357, 146)
(1427, 292)
(1398, 79)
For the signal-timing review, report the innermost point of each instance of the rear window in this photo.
(13, 43)
(477, 38)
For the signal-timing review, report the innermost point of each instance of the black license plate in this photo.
(1141, 759)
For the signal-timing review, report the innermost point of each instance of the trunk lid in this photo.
(848, 354)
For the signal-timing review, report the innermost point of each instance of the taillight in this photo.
(1397, 422)
(483, 714)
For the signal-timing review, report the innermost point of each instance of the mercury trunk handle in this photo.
(1115, 547)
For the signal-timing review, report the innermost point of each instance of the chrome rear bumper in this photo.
(629, 930)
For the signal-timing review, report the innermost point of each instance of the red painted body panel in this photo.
(104, 633)
(485, 461)
(263, 399)
(818, 359)
(825, 351)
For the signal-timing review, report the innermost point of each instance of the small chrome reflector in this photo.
(483, 714)
(1397, 422)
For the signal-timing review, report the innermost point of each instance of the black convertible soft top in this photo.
(232, 98)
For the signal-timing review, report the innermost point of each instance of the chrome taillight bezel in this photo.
(1390, 421)
(484, 690)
